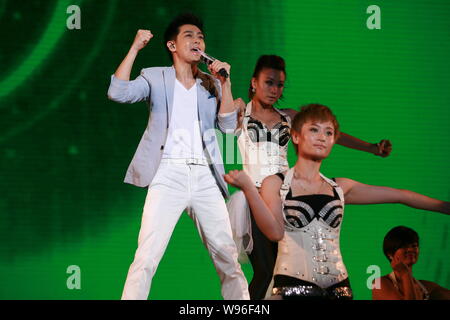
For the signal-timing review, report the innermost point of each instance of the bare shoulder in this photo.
(272, 182)
(345, 183)
(436, 291)
(270, 188)
(290, 112)
(429, 284)
(384, 289)
(384, 281)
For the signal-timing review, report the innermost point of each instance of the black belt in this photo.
(313, 292)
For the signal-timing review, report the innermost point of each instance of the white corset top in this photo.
(310, 248)
(263, 151)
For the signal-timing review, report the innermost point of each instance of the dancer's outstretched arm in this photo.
(382, 148)
(360, 193)
(265, 204)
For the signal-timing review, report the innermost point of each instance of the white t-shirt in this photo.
(184, 139)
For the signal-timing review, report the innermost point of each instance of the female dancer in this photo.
(303, 210)
(263, 136)
(401, 247)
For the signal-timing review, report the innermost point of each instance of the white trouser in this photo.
(174, 188)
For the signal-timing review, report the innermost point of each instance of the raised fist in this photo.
(141, 39)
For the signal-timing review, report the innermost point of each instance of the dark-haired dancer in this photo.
(401, 248)
(303, 210)
(178, 157)
(263, 136)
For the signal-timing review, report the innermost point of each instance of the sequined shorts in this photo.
(313, 292)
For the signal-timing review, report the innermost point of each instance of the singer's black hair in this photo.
(173, 29)
(398, 237)
(269, 62)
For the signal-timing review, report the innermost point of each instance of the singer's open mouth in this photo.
(196, 51)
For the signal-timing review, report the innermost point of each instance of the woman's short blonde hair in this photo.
(315, 112)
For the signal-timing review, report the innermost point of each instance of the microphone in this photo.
(207, 59)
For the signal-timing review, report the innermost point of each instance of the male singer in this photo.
(178, 156)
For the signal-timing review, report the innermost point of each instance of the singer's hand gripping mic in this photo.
(206, 59)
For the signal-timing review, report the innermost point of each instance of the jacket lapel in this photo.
(169, 83)
(200, 103)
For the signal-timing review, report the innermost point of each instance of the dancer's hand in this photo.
(239, 104)
(239, 179)
(398, 265)
(142, 38)
(383, 148)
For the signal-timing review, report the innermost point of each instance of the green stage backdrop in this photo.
(64, 147)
